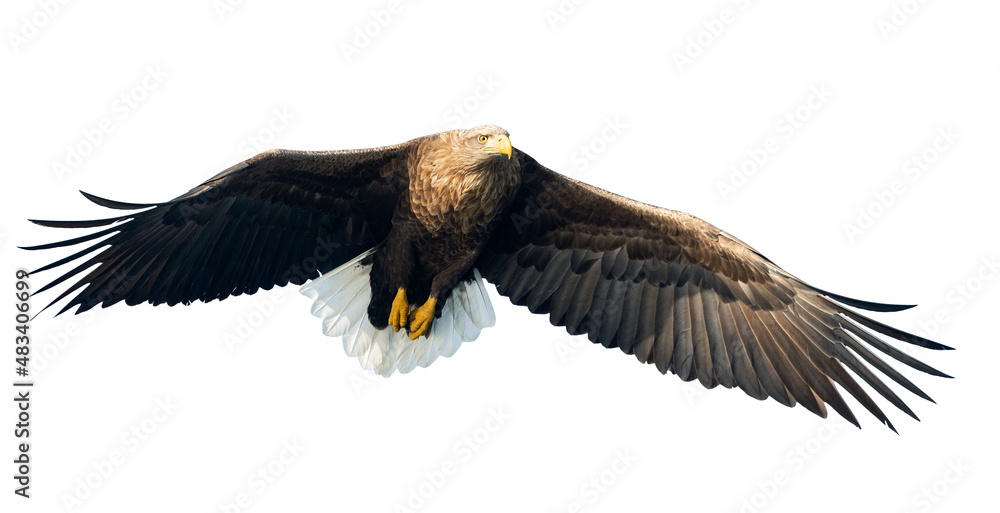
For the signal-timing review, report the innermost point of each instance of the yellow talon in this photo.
(420, 323)
(400, 310)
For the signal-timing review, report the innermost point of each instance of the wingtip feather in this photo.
(92, 223)
(117, 205)
(865, 305)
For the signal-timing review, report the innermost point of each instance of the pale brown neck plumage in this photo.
(458, 190)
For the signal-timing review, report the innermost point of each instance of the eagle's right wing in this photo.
(280, 217)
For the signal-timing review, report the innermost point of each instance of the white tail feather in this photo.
(341, 296)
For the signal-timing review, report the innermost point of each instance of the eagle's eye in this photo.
(483, 138)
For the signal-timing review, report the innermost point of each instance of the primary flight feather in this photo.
(393, 245)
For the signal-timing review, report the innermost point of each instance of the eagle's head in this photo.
(469, 159)
(492, 141)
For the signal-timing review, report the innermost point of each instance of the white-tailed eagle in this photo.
(393, 245)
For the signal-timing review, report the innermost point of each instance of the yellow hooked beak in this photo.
(501, 145)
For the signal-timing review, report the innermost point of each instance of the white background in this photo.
(568, 409)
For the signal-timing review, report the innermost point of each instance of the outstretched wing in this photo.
(679, 293)
(280, 217)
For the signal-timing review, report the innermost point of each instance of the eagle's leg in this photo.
(400, 311)
(441, 287)
(391, 282)
(422, 318)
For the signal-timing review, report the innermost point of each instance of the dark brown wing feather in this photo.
(681, 294)
(280, 217)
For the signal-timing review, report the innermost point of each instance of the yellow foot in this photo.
(420, 323)
(400, 310)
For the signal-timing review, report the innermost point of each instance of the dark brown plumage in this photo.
(665, 286)
(455, 192)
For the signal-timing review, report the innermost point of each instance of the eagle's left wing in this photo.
(681, 294)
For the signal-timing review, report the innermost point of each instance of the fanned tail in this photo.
(341, 296)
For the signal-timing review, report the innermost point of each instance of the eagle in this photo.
(394, 245)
